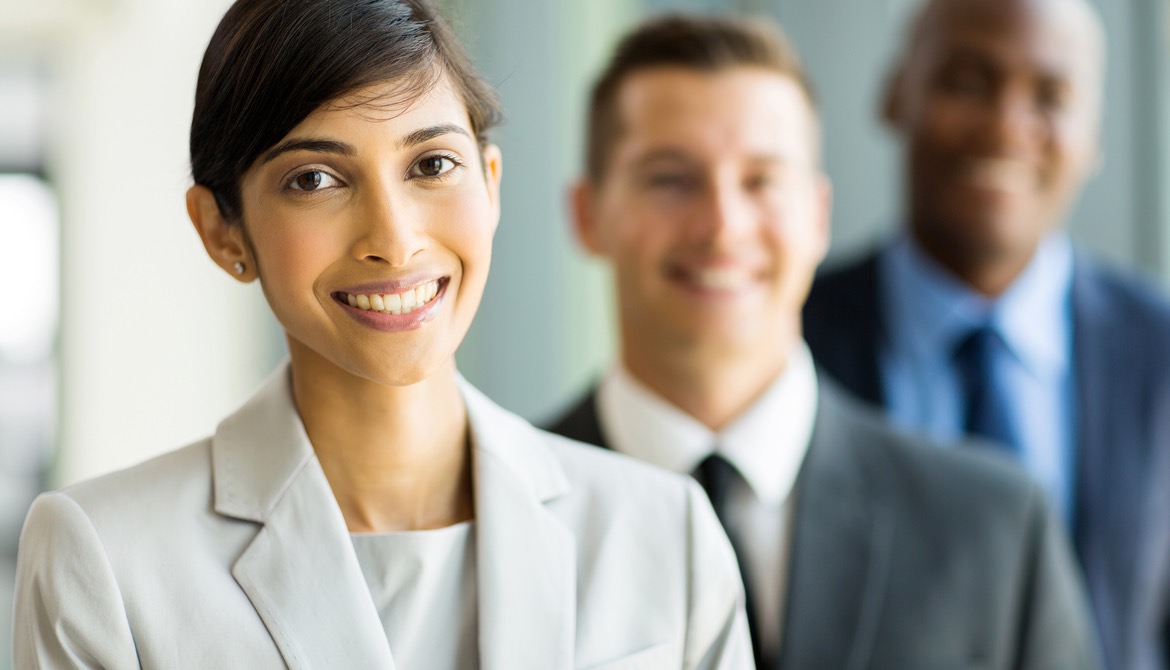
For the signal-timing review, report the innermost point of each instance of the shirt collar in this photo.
(931, 308)
(766, 443)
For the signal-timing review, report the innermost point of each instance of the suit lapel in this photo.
(845, 328)
(526, 557)
(1092, 347)
(841, 548)
(300, 571)
(1112, 514)
(581, 423)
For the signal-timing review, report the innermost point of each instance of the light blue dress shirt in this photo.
(929, 310)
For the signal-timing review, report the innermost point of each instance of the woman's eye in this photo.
(434, 166)
(313, 180)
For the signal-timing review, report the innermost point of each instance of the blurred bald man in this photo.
(983, 318)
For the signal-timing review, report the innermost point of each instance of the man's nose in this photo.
(1013, 122)
(727, 215)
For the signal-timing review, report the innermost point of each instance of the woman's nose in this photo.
(387, 230)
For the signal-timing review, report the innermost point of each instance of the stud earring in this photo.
(239, 268)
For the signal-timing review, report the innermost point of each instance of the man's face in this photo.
(998, 103)
(710, 208)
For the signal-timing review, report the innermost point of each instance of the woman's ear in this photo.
(223, 240)
(493, 172)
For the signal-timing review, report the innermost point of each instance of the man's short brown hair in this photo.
(707, 43)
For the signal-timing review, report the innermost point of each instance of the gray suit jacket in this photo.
(233, 553)
(907, 556)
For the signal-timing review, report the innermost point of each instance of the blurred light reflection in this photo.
(29, 269)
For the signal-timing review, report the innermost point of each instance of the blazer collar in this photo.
(527, 557)
(515, 444)
(260, 449)
(302, 576)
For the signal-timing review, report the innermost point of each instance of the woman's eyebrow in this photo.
(310, 144)
(423, 134)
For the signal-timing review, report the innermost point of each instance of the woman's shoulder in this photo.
(156, 487)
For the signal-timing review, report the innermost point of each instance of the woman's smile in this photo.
(394, 309)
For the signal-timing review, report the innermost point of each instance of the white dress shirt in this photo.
(766, 444)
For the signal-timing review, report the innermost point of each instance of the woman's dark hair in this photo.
(272, 63)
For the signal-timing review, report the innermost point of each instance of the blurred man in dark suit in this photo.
(982, 318)
(860, 547)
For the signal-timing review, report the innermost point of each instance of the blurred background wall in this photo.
(119, 339)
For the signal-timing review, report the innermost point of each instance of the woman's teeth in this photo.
(395, 303)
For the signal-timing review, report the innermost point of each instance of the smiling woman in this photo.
(367, 508)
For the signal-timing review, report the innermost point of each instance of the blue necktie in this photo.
(980, 359)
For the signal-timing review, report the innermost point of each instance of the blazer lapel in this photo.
(300, 571)
(841, 550)
(526, 557)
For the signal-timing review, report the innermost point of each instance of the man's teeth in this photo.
(395, 303)
(721, 279)
(1001, 174)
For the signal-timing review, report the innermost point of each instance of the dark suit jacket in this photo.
(1121, 349)
(907, 556)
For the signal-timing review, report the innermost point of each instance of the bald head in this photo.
(1080, 14)
(998, 105)
(1075, 23)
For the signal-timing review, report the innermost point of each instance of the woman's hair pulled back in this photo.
(272, 63)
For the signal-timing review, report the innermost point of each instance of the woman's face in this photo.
(370, 227)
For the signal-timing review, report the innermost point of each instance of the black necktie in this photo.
(980, 360)
(718, 478)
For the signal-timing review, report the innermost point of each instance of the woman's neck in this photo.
(397, 458)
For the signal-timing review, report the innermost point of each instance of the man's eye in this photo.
(312, 180)
(965, 82)
(1050, 96)
(760, 181)
(676, 181)
(434, 166)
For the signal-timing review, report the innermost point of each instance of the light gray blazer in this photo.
(233, 553)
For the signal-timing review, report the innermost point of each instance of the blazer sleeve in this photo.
(717, 629)
(68, 611)
(1055, 625)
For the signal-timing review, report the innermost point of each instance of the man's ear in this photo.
(824, 197)
(583, 203)
(893, 108)
(223, 240)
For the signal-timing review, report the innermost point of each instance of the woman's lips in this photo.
(394, 312)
